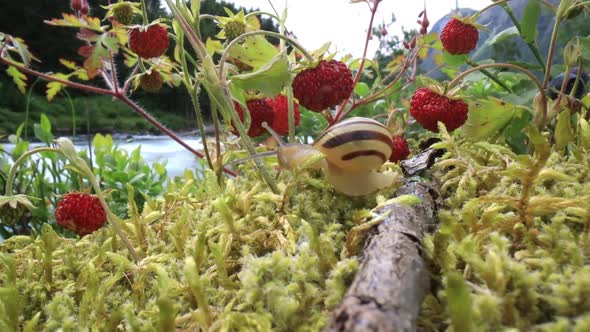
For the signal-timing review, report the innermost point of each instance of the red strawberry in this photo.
(149, 41)
(280, 107)
(151, 82)
(401, 150)
(81, 213)
(260, 111)
(459, 37)
(428, 108)
(323, 86)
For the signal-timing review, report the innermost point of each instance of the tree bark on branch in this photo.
(392, 281)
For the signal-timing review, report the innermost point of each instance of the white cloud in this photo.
(315, 22)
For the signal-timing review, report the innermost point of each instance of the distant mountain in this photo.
(496, 20)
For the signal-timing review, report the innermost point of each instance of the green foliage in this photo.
(46, 178)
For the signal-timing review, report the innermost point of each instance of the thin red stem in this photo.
(122, 97)
(363, 59)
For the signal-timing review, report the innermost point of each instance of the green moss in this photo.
(516, 228)
(229, 259)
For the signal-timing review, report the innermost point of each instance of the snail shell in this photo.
(356, 144)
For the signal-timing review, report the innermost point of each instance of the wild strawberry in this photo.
(80, 6)
(149, 41)
(280, 107)
(151, 82)
(428, 108)
(260, 111)
(401, 150)
(81, 213)
(123, 12)
(323, 86)
(459, 37)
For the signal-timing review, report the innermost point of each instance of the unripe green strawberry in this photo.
(123, 12)
(233, 29)
(151, 82)
(10, 215)
(429, 108)
(81, 213)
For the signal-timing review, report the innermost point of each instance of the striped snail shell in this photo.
(356, 144)
(352, 151)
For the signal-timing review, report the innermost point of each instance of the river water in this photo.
(153, 148)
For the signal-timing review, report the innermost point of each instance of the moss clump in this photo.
(213, 258)
(513, 247)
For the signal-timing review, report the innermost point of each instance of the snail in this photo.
(351, 152)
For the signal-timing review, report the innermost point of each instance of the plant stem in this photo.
(496, 3)
(531, 45)
(489, 75)
(193, 92)
(291, 114)
(119, 96)
(19, 161)
(359, 72)
(144, 14)
(551, 51)
(28, 107)
(540, 87)
(73, 114)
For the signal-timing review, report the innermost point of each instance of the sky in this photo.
(316, 22)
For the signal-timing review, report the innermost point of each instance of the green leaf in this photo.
(487, 118)
(513, 133)
(459, 301)
(454, 60)
(254, 51)
(18, 78)
(269, 79)
(361, 89)
(532, 13)
(584, 138)
(45, 123)
(563, 130)
(43, 130)
(502, 36)
(213, 46)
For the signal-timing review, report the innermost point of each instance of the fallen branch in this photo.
(388, 290)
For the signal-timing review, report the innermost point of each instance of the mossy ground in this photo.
(237, 258)
(511, 253)
(513, 249)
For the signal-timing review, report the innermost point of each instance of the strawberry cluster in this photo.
(429, 108)
(274, 112)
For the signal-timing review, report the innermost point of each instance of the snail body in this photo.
(351, 152)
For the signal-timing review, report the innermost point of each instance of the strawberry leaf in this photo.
(18, 78)
(53, 88)
(72, 21)
(255, 51)
(487, 118)
(532, 13)
(269, 79)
